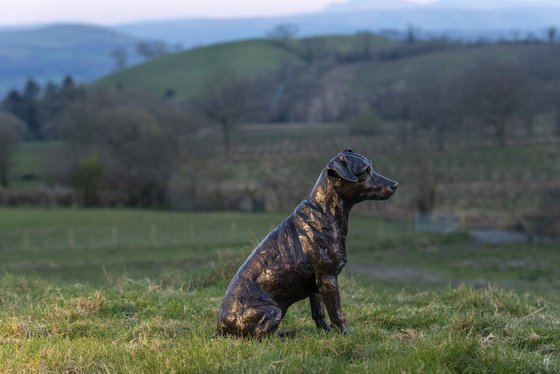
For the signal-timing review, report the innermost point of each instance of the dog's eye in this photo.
(364, 173)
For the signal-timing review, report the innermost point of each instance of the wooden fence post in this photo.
(115, 235)
(153, 234)
(70, 232)
(25, 240)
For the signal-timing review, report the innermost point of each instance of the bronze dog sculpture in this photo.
(304, 255)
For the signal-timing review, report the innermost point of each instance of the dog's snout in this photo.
(394, 186)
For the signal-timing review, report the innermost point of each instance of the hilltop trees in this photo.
(551, 34)
(283, 33)
(120, 56)
(25, 106)
(490, 100)
(151, 49)
(36, 106)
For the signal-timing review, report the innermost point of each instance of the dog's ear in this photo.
(339, 167)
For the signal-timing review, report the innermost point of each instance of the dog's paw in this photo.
(324, 326)
(344, 330)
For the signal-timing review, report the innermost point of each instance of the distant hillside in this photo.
(187, 72)
(446, 64)
(50, 53)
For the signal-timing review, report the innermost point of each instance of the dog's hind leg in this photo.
(318, 312)
(270, 317)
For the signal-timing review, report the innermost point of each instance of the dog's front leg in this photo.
(318, 312)
(328, 288)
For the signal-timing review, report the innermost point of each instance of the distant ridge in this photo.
(458, 18)
(53, 51)
(83, 51)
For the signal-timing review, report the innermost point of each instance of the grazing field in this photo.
(131, 291)
(500, 185)
(30, 163)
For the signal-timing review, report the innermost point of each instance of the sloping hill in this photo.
(50, 53)
(186, 73)
(447, 63)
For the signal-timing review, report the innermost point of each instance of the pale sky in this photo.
(108, 12)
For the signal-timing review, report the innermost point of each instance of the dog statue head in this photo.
(355, 180)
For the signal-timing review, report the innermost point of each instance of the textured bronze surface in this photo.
(303, 256)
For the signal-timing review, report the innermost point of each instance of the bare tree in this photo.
(365, 44)
(557, 123)
(425, 185)
(283, 32)
(429, 104)
(495, 94)
(11, 133)
(226, 101)
(551, 34)
(152, 49)
(120, 56)
(412, 34)
(314, 50)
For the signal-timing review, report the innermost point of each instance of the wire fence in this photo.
(440, 223)
(80, 237)
(222, 234)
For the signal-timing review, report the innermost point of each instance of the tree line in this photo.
(145, 49)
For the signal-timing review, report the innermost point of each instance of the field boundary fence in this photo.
(143, 235)
(444, 223)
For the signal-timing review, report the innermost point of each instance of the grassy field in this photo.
(31, 163)
(498, 185)
(137, 291)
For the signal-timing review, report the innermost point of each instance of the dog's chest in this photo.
(322, 235)
(335, 247)
(331, 247)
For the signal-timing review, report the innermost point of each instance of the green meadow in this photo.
(137, 291)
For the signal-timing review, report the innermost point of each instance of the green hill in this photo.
(187, 72)
(446, 64)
